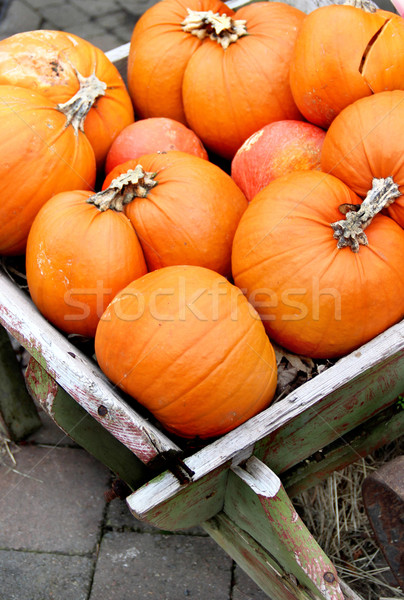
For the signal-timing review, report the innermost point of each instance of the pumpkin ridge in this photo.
(181, 354)
(160, 209)
(215, 367)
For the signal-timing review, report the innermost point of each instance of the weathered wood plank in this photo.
(337, 413)
(18, 413)
(375, 371)
(257, 502)
(78, 376)
(254, 559)
(75, 422)
(375, 433)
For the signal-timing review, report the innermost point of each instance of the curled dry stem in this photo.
(135, 183)
(77, 108)
(350, 231)
(220, 28)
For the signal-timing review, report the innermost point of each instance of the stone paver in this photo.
(19, 17)
(167, 567)
(33, 576)
(54, 503)
(244, 587)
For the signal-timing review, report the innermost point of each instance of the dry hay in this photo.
(334, 513)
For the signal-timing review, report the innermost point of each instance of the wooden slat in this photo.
(18, 413)
(75, 422)
(78, 376)
(340, 411)
(375, 433)
(254, 559)
(257, 502)
(376, 370)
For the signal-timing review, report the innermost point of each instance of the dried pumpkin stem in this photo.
(350, 231)
(77, 108)
(220, 28)
(135, 183)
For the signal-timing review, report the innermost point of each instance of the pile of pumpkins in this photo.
(183, 271)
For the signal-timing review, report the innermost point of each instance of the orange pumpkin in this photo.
(158, 56)
(185, 211)
(78, 258)
(39, 156)
(275, 150)
(75, 75)
(157, 134)
(187, 345)
(344, 53)
(319, 297)
(365, 141)
(230, 72)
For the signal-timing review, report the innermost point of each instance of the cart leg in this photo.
(18, 414)
(260, 528)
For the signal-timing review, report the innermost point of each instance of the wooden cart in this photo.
(238, 487)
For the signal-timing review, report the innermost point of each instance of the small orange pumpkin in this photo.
(185, 211)
(187, 345)
(76, 75)
(344, 53)
(78, 258)
(319, 297)
(366, 141)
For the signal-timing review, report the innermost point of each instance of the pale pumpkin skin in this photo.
(78, 258)
(186, 344)
(366, 141)
(316, 299)
(39, 157)
(50, 62)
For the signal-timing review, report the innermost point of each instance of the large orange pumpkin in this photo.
(40, 155)
(74, 74)
(185, 210)
(225, 74)
(187, 345)
(319, 297)
(344, 53)
(78, 258)
(366, 140)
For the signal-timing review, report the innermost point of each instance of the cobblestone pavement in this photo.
(61, 540)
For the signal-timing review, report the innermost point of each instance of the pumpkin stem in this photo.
(220, 28)
(350, 231)
(77, 108)
(366, 5)
(135, 183)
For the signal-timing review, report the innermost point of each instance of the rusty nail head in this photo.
(329, 577)
(102, 410)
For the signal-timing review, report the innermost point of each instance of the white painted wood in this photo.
(258, 477)
(74, 372)
(233, 445)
